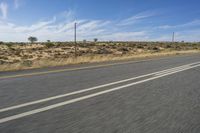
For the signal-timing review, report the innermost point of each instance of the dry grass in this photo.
(88, 59)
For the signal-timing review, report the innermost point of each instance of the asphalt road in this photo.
(153, 96)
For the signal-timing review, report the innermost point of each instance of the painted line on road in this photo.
(32, 112)
(94, 88)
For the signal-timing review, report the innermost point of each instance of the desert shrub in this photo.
(17, 52)
(9, 44)
(178, 48)
(131, 44)
(3, 57)
(155, 49)
(49, 45)
(1, 42)
(59, 44)
(123, 49)
(103, 51)
(140, 46)
(27, 63)
(168, 46)
(91, 44)
(2, 62)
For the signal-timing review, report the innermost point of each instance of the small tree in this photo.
(95, 39)
(48, 40)
(32, 39)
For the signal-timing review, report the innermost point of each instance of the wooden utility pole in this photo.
(75, 44)
(173, 37)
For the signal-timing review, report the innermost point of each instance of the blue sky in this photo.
(117, 20)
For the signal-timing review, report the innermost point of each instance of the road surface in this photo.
(153, 96)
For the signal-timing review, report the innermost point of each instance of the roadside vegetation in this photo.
(18, 56)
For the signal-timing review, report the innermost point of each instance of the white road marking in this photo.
(14, 117)
(92, 88)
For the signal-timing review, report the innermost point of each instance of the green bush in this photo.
(49, 45)
(27, 63)
(9, 44)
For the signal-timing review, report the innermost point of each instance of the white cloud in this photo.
(64, 31)
(137, 17)
(183, 35)
(67, 14)
(35, 27)
(126, 36)
(188, 35)
(61, 28)
(16, 4)
(189, 24)
(164, 37)
(4, 10)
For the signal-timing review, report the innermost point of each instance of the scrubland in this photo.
(18, 56)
